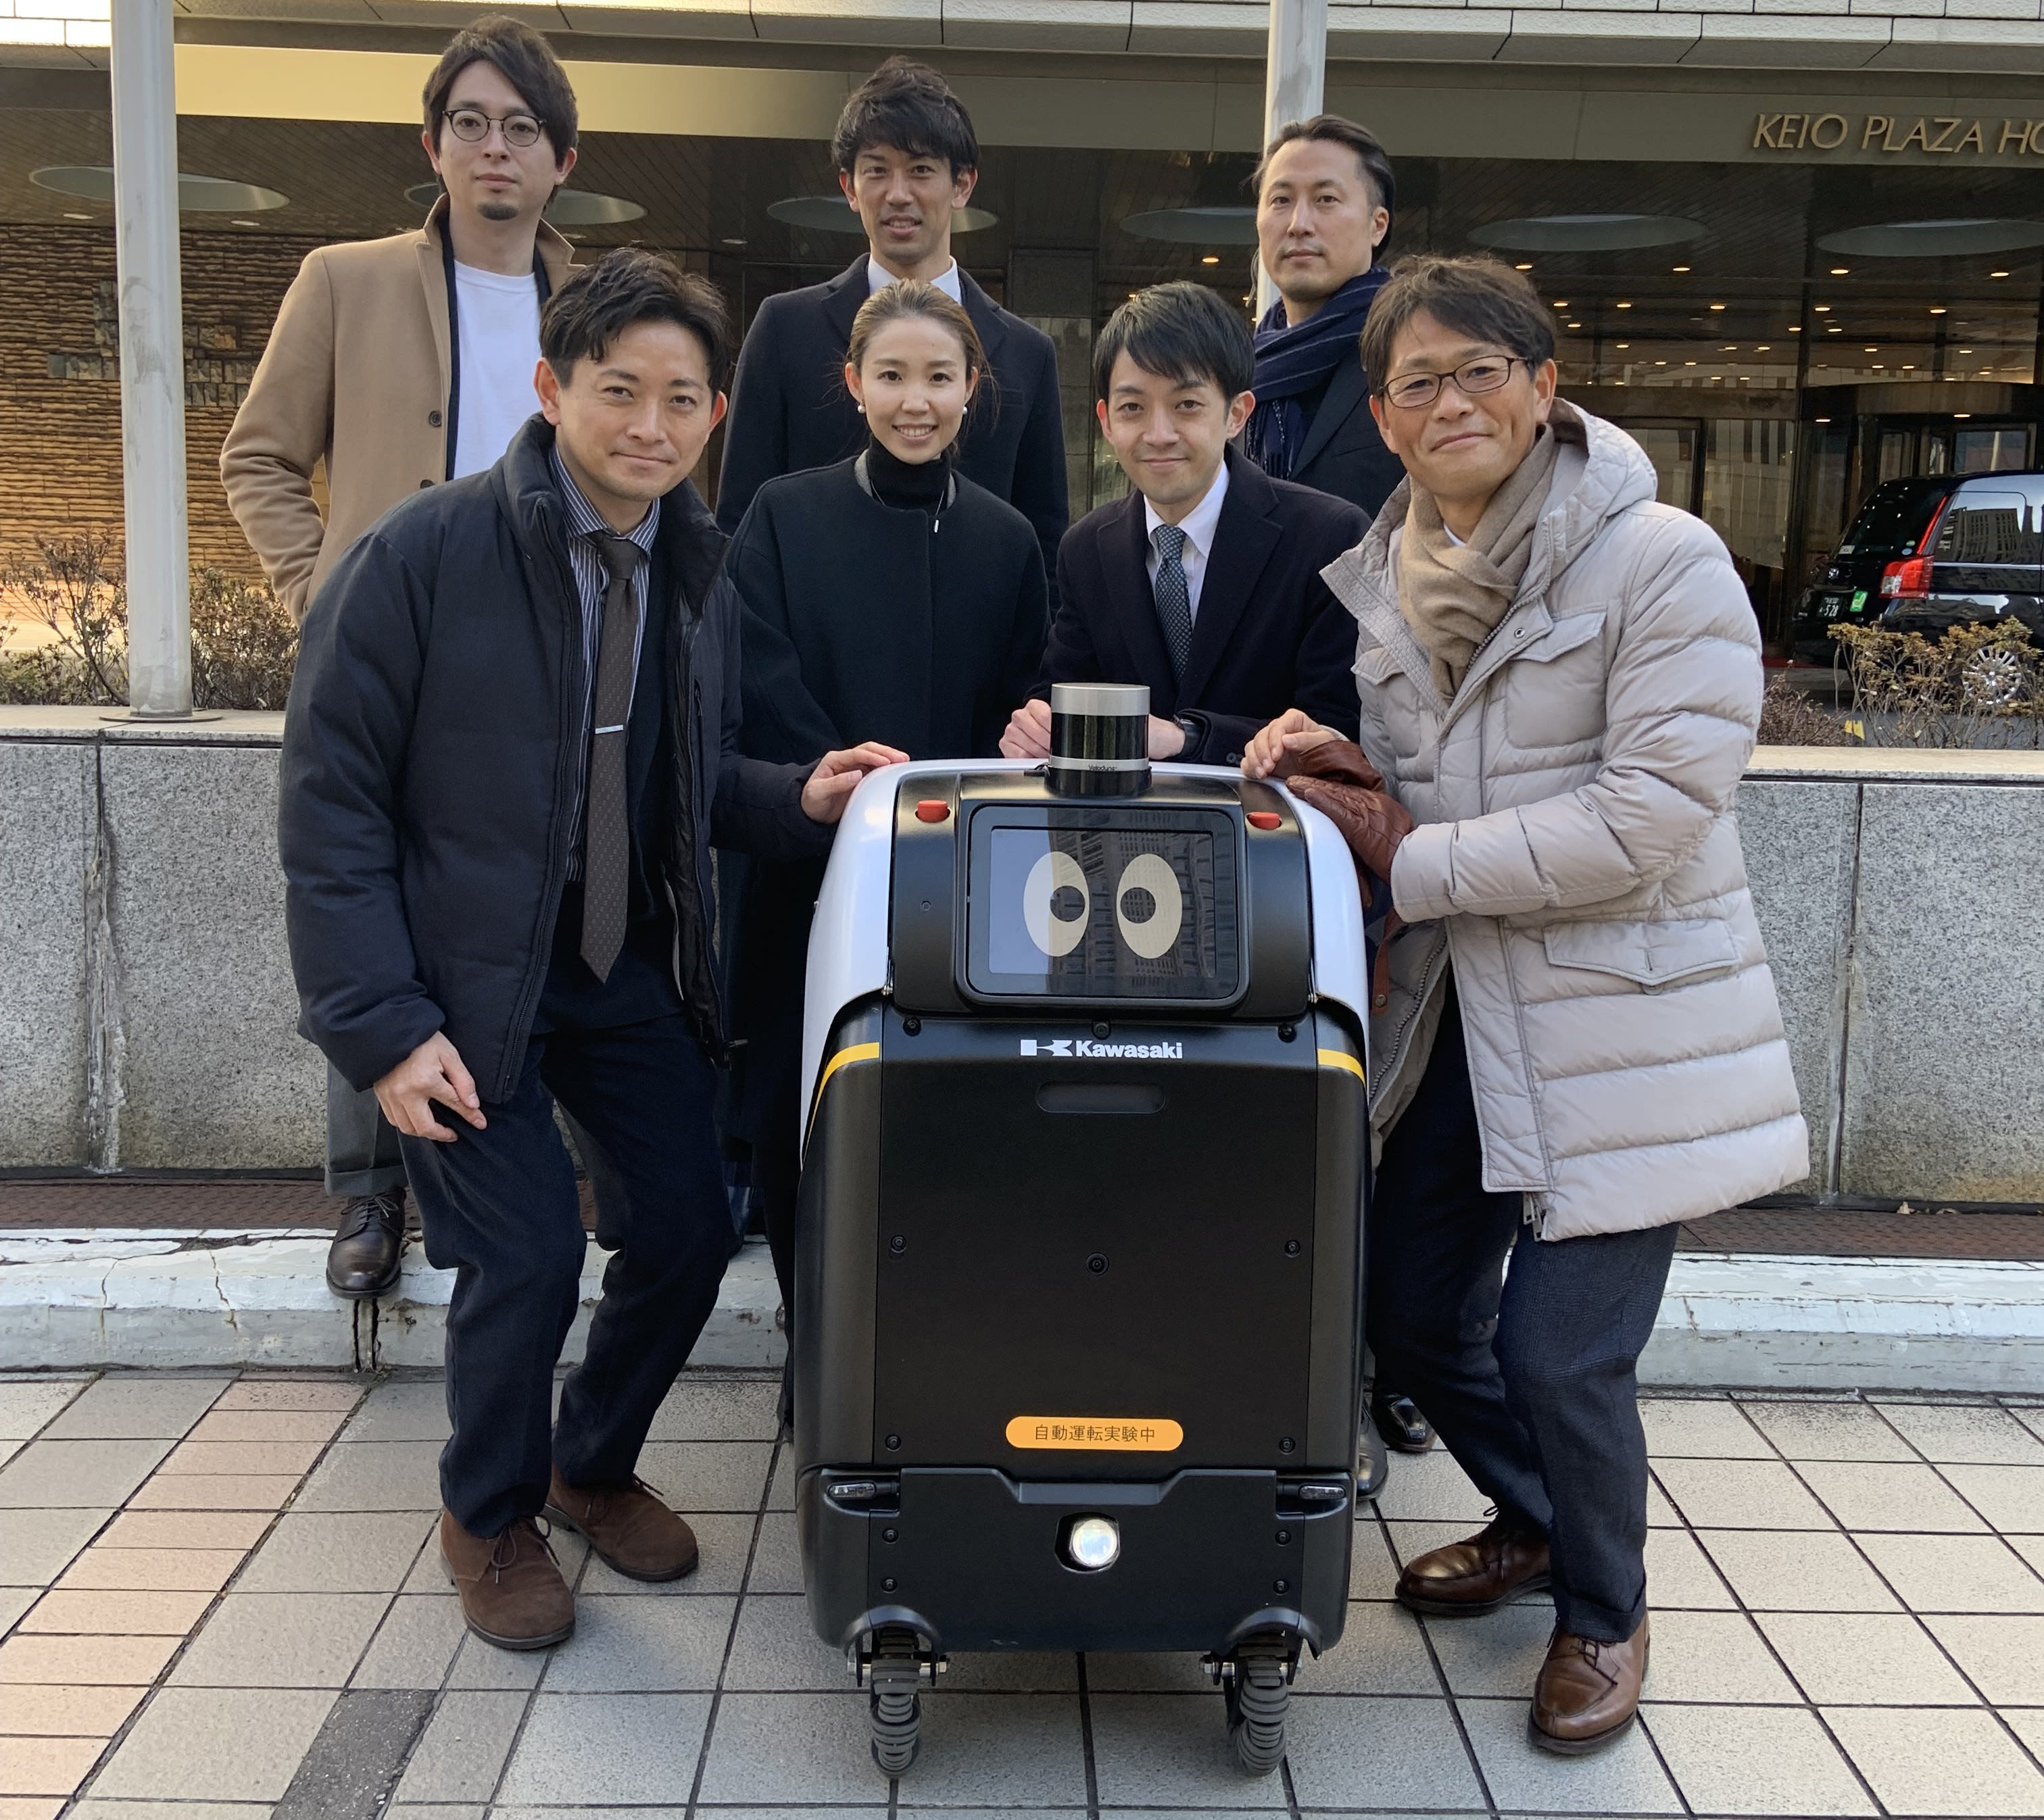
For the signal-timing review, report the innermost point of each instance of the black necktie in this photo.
(606, 833)
(1175, 600)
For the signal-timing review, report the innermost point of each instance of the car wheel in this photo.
(1994, 679)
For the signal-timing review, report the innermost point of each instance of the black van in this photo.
(1930, 552)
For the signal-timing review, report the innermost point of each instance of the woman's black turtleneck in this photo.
(912, 486)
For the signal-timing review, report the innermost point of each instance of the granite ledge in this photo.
(72, 726)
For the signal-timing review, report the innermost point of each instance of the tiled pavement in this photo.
(220, 1601)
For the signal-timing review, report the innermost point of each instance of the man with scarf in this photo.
(1325, 194)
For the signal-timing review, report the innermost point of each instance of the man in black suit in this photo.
(1205, 583)
(907, 161)
(1325, 194)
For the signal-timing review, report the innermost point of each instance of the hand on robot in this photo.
(1280, 749)
(838, 773)
(1028, 735)
(433, 1074)
(1332, 774)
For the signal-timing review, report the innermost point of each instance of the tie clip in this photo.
(619, 728)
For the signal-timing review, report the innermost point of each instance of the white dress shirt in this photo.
(1198, 525)
(878, 277)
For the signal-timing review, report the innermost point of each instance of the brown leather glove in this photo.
(1342, 759)
(1371, 821)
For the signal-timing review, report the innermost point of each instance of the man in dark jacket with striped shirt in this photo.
(512, 741)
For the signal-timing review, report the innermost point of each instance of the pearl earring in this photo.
(860, 408)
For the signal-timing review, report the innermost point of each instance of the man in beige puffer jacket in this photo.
(1576, 1044)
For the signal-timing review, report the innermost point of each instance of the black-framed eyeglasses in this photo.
(1473, 379)
(473, 125)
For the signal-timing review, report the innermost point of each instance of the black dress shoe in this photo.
(363, 1261)
(1373, 1464)
(1399, 1421)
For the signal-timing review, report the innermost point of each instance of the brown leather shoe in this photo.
(630, 1529)
(512, 1592)
(1588, 1692)
(1467, 1579)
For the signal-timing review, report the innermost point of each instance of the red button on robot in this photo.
(1265, 819)
(930, 809)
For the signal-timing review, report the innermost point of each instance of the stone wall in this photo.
(147, 1019)
(60, 378)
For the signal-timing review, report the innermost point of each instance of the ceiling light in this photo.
(1575, 326)
(1763, 348)
(1997, 275)
(1873, 350)
(1621, 306)
(196, 195)
(1966, 351)
(1563, 304)
(1822, 309)
(73, 215)
(1840, 271)
(1910, 367)
(1209, 227)
(242, 224)
(1527, 267)
(1688, 362)
(1717, 306)
(1823, 419)
(1210, 258)
(1937, 309)
(1796, 328)
(1937, 240)
(1729, 348)
(1624, 344)
(1585, 233)
(1962, 413)
(1678, 268)
(734, 240)
(1836, 328)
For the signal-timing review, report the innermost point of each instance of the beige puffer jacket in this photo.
(1578, 856)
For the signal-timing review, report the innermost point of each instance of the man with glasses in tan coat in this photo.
(396, 364)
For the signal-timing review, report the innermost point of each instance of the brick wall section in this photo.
(60, 382)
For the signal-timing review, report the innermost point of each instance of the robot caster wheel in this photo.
(1257, 1683)
(895, 1708)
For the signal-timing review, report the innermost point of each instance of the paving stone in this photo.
(36, 1545)
(460, 1756)
(1373, 1573)
(60, 1711)
(53, 1474)
(707, 1475)
(31, 1807)
(1754, 1760)
(1957, 1574)
(14, 1601)
(2011, 1498)
(1660, 1515)
(1624, 1778)
(1707, 1428)
(101, 1569)
(781, 1493)
(1430, 1488)
(777, 1557)
(237, 1530)
(412, 1412)
(1382, 1651)
(642, 1645)
(1966, 1434)
(94, 1809)
(375, 1476)
(1943, 1762)
(453, 1810)
(776, 1650)
(1499, 1654)
(26, 1408)
(1796, 1570)
(2003, 1655)
(723, 1542)
(626, 1750)
(1380, 1753)
(1680, 1576)
(482, 1667)
(292, 1459)
(282, 1640)
(1865, 1659)
(1137, 1671)
(210, 1744)
(1026, 1749)
(731, 1409)
(129, 1408)
(999, 1672)
(1867, 1495)
(46, 1765)
(336, 1396)
(414, 1645)
(118, 1614)
(1740, 1495)
(1712, 1656)
(10, 1449)
(349, 1771)
(1814, 1430)
(90, 1662)
(270, 1426)
(338, 1551)
(791, 1748)
(197, 1491)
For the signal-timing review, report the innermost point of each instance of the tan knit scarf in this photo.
(1452, 595)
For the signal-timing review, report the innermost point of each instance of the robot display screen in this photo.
(1143, 908)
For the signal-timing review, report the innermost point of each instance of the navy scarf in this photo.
(1291, 362)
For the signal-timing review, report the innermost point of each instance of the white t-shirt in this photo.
(500, 346)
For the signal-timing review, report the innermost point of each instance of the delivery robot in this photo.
(1078, 1335)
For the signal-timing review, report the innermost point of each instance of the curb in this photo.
(157, 1300)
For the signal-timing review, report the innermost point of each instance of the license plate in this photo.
(1859, 599)
(1828, 606)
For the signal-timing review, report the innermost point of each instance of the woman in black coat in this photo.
(886, 598)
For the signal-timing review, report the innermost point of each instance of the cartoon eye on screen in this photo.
(1147, 910)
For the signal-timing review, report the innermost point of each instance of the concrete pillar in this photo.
(1295, 79)
(152, 360)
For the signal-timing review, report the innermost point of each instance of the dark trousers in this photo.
(1527, 1373)
(499, 1208)
(361, 1153)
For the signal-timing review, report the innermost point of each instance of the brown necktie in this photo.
(606, 833)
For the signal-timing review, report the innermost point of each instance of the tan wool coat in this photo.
(356, 375)
(1577, 859)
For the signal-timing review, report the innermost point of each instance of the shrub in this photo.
(1953, 690)
(1788, 717)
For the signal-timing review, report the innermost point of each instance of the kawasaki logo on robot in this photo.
(1076, 1047)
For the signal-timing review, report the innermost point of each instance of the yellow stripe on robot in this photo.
(1341, 1059)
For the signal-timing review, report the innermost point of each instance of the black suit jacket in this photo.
(789, 409)
(1342, 453)
(1268, 635)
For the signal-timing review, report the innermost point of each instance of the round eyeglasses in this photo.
(1473, 379)
(472, 124)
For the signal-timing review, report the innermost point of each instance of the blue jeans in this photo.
(1528, 1374)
